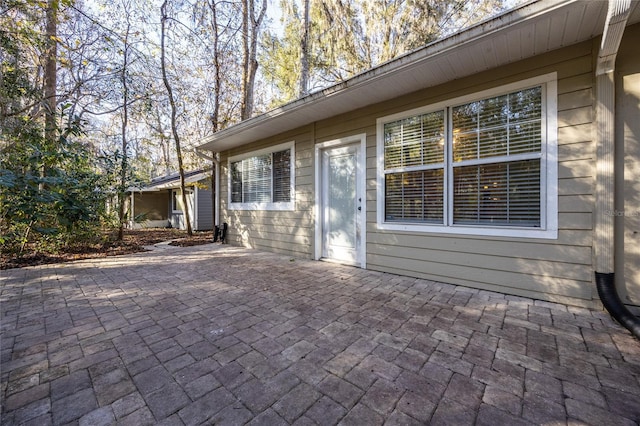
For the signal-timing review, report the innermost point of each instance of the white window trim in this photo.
(548, 167)
(280, 206)
(178, 194)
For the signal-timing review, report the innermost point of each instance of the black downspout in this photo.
(612, 303)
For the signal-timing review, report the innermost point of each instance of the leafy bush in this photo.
(51, 195)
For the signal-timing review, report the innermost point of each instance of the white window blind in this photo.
(256, 179)
(262, 178)
(414, 141)
(414, 168)
(504, 125)
(477, 163)
(498, 194)
(415, 196)
(496, 159)
(282, 176)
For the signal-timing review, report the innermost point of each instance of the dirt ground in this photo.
(134, 241)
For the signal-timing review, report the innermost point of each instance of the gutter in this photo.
(617, 16)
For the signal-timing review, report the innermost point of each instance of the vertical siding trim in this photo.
(196, 212)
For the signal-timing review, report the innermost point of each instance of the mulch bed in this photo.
(134, 241)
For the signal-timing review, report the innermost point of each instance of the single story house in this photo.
(159, 204)
(504, 157)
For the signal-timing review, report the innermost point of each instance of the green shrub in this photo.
(51, 195)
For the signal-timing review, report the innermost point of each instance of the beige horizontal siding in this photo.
(579, 168)
(505, 281)
(550, 269)
(533, 250)
(540, 270)
(293, 237)
(575, 82)
(575, 186)
(575, 134)
(575, 116)
(576, 203)
(282, 247)
(576, 99)
(528, 286)
(559, 270)
(576, 151)
(285, 232)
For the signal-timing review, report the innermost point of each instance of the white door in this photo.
(341, 204)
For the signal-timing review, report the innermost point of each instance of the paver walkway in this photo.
(228, 336)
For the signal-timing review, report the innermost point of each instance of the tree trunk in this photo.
(174, 127)
(50, 77)
(50, 72)
(217, 81)
(122, 189)
(246, 54)
(250, 31)
(304, 52)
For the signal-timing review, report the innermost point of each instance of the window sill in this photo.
(488, 231)
(290, 206)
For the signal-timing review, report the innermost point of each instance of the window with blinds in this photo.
(478, 163)
(414, 168)
(262, 180)
(282, 176)
(496, 159)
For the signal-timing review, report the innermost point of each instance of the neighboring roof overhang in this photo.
(172, 182)
(532, 29)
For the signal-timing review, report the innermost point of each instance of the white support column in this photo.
(216, 207)
(132, 213)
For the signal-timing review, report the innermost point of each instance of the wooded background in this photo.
(97, 96)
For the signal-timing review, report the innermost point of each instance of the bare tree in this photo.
(304, 52)
(174, 127)
(125, 121)
(250, 32)
(217, 77)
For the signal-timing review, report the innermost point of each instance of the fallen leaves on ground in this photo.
(133, 241)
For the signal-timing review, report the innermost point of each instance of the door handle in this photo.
(359, 208)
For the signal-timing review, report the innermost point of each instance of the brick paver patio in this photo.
(229, 336)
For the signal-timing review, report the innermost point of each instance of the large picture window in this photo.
(262, 180)
(481, 165)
